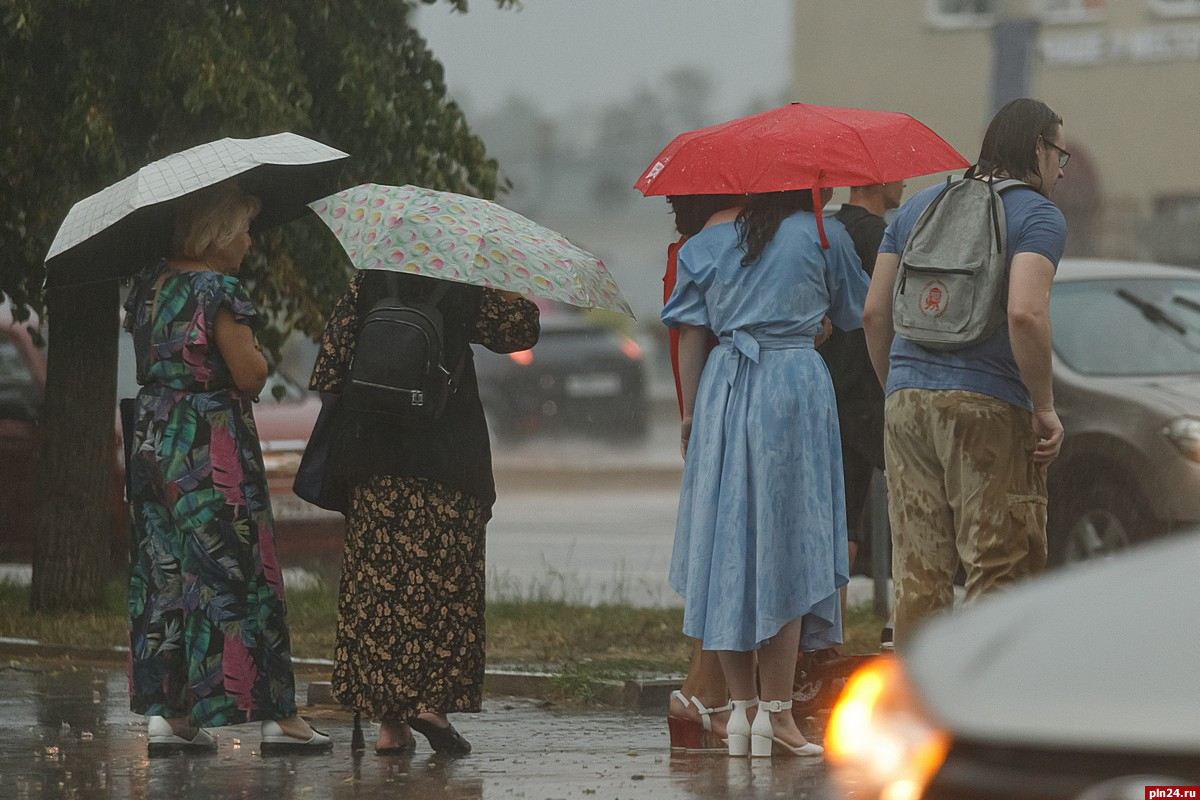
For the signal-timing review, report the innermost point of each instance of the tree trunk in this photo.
(71, 556)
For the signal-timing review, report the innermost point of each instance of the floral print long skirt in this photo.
(208, 635)
(410, 636)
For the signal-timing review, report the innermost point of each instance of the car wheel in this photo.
(1104, 519)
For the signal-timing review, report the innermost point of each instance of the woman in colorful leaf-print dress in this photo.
(208, 641)
(410, 635)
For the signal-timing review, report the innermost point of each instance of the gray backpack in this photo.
(952, 287)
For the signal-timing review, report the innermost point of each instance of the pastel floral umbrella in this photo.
(456, 237)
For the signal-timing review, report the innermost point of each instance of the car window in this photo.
(1128, 327)
(18, 394)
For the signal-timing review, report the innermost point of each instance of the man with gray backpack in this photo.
(957, 324)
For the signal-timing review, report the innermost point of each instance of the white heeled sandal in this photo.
(762, 735)
(737, 730)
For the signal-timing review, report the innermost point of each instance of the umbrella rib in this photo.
(857, 135)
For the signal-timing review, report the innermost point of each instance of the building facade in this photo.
(1124, 74)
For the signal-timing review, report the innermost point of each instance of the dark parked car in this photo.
(581, 376)
(1078, 685)
(284, 417)
(1127, 388)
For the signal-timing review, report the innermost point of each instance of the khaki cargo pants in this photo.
(962, 485)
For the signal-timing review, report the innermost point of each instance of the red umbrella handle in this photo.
(816, 199)
(672, 334)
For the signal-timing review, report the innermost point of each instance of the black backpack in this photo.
(398, 368)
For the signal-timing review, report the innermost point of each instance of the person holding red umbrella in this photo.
(795, 149)
(760, 541)
(698, 710)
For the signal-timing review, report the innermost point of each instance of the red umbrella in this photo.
(798, 146)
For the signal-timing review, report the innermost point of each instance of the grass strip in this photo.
(581, 644)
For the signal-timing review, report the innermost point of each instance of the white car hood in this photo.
(1102, 655)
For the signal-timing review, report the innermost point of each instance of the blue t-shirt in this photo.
(1035, 225)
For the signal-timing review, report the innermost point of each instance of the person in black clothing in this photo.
(410, 633)
(859, 397)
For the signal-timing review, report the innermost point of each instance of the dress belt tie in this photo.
(742, 343)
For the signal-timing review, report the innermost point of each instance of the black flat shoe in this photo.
(443, 740)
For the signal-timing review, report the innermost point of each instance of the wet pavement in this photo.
(66, 732)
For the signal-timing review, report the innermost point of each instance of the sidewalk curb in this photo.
(644, 694)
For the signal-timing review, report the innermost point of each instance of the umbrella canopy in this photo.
(798, 146)
(114, 232)
(459, 238)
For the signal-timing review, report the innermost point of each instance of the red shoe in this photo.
(691, 735)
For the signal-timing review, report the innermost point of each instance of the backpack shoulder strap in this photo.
(998, 188)
(392, 284)
(1008, 183)
(437, 294)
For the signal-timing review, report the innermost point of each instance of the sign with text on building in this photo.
(1137, 45)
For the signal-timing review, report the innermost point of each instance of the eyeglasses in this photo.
(1063, 155)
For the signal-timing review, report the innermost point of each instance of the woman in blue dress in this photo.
(760, 538)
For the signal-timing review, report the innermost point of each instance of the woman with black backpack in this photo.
(410, 636)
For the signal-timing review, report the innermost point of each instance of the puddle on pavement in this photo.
(67, 733)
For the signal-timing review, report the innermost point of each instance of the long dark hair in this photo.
(693, 210)
(760, 219)
(1010, 144)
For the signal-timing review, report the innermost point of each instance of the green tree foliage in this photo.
(94, 89)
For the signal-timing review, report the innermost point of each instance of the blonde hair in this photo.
(212, 216)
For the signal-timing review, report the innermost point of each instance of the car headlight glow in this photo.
(880, 742)
(1184, 433)
(522, 357)
(631, 349)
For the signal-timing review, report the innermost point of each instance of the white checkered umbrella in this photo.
(116, 231)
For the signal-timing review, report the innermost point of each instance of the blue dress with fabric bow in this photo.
(760, 538)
